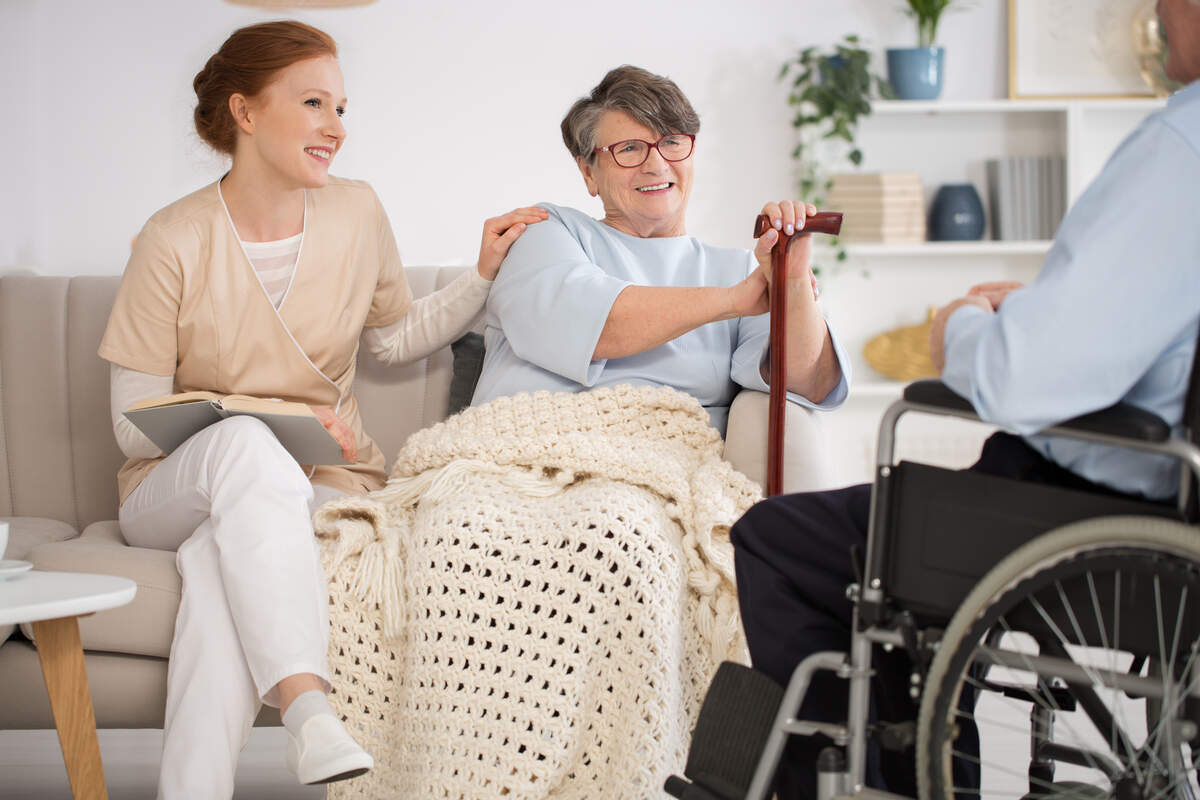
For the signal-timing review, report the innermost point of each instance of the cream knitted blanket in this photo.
(534, 605)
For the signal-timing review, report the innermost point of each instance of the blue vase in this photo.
(957, 214)
(916, 72)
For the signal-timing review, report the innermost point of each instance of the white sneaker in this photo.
(324, 752)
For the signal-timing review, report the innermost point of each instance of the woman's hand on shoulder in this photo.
(340, 431)
(498, 235)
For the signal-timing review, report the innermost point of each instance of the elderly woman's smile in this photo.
(647, 200)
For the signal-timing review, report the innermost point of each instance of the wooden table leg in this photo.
(63, 668)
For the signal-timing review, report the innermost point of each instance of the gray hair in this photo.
(652, 100)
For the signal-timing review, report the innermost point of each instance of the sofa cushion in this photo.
(26, 533)
(144, 627)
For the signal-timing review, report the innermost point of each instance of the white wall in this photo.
(18, 190)
(454, 107)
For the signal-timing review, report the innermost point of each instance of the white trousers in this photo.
(254, 610)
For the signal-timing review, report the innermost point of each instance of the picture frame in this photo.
(1072, 49)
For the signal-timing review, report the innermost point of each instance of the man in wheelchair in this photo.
(1049, 596)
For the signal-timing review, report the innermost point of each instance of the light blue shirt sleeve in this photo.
(552, 302)
(1111, 317)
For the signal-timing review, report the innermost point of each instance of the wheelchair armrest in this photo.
(932, 392)
(1122, 419)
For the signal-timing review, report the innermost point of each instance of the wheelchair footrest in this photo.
(731, 732)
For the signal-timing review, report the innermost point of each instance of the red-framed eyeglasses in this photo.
(634, 152)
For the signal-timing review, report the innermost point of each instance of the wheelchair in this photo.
(1070, 619)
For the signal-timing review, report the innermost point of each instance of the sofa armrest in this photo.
(807, 462)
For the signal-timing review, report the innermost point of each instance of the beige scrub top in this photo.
(191, 305)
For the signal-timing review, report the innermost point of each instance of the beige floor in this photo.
(31, 767)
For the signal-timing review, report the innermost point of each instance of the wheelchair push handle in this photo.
(829, 222)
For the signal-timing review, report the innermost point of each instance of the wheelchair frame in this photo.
(1121, 426)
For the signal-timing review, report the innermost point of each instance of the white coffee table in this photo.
(53, 601)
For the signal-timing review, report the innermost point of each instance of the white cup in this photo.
(3, 538)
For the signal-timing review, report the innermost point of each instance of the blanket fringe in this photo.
(378, 579)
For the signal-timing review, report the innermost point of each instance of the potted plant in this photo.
(916, 72)
(830, 91)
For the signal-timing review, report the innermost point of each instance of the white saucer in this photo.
(12, 568)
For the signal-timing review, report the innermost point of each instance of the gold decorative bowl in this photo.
(903, 354)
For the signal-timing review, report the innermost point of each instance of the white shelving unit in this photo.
(940, 249)
(883, 286)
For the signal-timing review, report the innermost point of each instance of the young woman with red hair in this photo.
(262, 283)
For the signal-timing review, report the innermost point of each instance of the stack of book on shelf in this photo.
(1028, 196)
(879, 206)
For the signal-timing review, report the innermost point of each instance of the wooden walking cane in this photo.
(822, 222)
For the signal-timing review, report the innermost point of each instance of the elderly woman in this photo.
(631, 298)
(535, 604)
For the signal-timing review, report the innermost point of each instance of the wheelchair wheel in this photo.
(1077, 659)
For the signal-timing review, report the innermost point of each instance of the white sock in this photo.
(306, 706)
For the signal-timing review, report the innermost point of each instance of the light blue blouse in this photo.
(1113, 314)
(554, 293)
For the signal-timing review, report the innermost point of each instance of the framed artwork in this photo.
(1072, 49)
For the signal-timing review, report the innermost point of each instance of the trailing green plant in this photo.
(830, 92)
(927, 13)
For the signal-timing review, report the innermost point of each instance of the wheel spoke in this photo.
(1010, 702)
(993, 723)
(999, 768)
(1112, 652)
(1183, 592)
(1158, 618)
(1094, 708)
(1116, 732)
(1151, 745)
(1169, 714)
(1050, 696)
(1117, 610)
(1180, 779)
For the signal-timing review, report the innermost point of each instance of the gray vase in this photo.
(916, 72)
(957, 214)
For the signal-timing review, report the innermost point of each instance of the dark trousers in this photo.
(793, 565)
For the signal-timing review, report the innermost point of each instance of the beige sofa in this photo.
(58, 466)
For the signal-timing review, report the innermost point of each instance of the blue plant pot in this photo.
(957, 214)
(916, 72)
(826, 71)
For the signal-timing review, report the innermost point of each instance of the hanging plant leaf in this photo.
(831, 91)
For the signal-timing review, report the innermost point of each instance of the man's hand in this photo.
(994, 292)
(987, 296)
(340, 431)
(937, 331)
